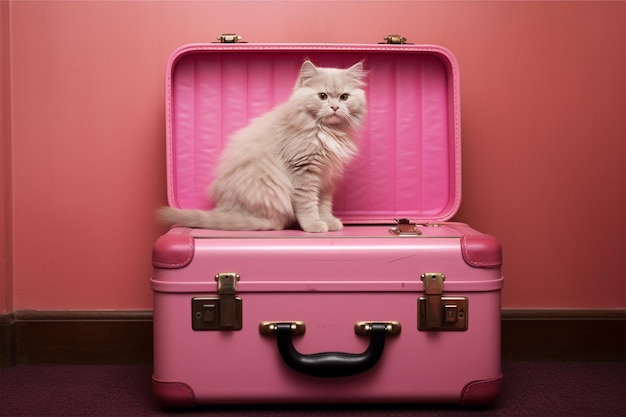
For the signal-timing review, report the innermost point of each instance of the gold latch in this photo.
(229, 38)
(395, 39)
(222, 313)
(404, 227)
(436, 312)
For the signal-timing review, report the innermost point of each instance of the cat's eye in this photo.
(344, 96)
(323, 96)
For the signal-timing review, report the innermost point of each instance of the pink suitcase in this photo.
(382, 311)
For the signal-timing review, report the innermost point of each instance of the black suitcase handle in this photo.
(333, 364)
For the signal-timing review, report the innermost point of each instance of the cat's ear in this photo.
(357, 72)
(307, 72)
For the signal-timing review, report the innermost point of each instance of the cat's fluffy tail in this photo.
(216, 219)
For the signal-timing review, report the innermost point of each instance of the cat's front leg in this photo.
(326, 212)
(306, 208)
(311, 224)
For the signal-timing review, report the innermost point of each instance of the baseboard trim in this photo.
(567, 335)
(108, 337)
(75, 337)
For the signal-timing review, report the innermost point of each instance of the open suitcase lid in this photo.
(409, 161)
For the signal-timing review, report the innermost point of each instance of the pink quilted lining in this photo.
(409, 159)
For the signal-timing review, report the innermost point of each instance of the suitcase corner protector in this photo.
(482, 392)
(173, 394)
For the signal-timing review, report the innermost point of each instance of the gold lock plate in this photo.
(451, 317)
(439, 313)
(219, 313)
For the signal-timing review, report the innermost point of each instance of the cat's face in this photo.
(332, 96)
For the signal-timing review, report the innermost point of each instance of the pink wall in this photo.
(543, 101)
(6, 281)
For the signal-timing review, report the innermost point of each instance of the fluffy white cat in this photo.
(283, 167)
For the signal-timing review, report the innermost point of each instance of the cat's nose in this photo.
(334, 108)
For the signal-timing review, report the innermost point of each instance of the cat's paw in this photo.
(334, 224)
(315, 226)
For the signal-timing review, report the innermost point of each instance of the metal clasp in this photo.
(433, 288)
(404, 227)
(222, 313)
(436, 312)
(230, 316)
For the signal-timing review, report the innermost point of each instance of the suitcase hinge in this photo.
(229, 38)
(222, 313)
(436, 312)
(395, 39)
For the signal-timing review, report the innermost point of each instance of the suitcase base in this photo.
(178, 394)
(221, 301)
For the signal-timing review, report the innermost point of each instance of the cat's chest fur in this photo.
(336, 147)
(323, 153)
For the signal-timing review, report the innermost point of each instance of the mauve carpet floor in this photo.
(542, 389)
